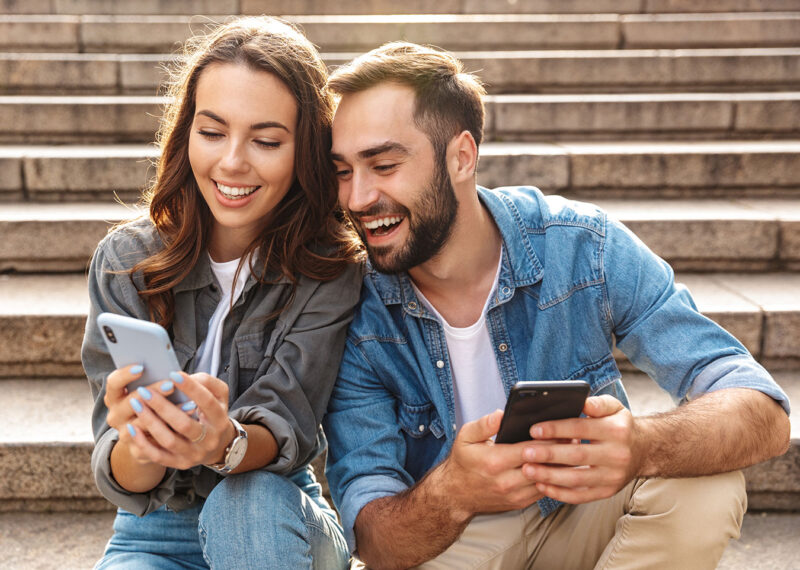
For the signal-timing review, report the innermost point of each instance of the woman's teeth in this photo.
(236, 192)
(390, 221)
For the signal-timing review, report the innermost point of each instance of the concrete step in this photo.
(662, 116)
(595, 170)
(34, 540)
(42, 318)
(547, 71)
(48, 454)
(161, 34)
(699, 235)
(387, 6)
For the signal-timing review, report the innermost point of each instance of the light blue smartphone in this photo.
(134, 341)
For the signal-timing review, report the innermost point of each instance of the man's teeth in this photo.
(375, 224)
(235, 192)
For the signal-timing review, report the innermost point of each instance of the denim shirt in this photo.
(571, 284)
(279, 371)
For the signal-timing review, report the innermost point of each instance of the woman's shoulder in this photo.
(130, 242)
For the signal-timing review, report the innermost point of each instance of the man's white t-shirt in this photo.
(477, 385)
(208, 353)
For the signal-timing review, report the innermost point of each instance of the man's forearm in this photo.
(718, 432)
(411, 527)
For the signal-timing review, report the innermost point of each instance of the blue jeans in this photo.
(251, 520)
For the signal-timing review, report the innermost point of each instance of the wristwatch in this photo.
(235, 451)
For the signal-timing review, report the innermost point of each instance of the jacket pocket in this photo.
(249, 350)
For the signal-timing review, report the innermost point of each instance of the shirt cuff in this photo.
(360, 492)
(737, 371)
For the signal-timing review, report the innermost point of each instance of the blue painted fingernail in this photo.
(136, 405)
(188, 406)
(131, 430)
(144, 392)
(167, 387)
(137, 369)
(176, 377)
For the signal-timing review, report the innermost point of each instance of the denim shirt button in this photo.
(412, 306)
(502, 347)
(506, 290)
(440, 364)
(422, 428)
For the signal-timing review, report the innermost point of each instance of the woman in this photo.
(243, 261)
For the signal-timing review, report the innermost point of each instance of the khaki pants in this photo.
(651, 523)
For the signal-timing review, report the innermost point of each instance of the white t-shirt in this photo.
(208, 353)
(477, 385)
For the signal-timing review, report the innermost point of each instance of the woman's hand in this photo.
(167, 434)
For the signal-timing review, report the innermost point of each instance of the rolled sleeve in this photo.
(737, 372)
(364, 490)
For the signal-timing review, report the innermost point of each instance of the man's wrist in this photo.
(441, 488)
(640, 448)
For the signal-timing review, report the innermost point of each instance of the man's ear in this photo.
(462, 155)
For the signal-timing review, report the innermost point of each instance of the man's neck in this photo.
(458, 280)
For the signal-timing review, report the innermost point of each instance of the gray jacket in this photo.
(280, 372)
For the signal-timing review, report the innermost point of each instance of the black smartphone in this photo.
(533, 402)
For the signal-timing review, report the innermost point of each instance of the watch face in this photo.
(236, 454)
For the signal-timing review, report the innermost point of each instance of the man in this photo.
(470, 290)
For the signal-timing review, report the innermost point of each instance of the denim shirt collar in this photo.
(525, 269)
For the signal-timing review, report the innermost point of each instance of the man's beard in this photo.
(429, 225)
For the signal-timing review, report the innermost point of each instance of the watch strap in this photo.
(225, 467)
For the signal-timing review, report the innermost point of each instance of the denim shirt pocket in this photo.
(603, 377)
(418, 421)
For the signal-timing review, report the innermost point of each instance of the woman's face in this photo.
(241, 149)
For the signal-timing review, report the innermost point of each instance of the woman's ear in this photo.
(462, 153)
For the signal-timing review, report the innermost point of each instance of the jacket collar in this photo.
(201, 275)
(520, 264)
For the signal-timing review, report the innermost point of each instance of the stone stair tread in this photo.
(94, 33)
(35, 540)
(606, 116)
(46, 411)
(44, 315)
(42, 541)
(516, 71)
(388, 7)
(732, 234)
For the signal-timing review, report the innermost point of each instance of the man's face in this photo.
(391, 182)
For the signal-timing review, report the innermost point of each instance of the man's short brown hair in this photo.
(447, 100)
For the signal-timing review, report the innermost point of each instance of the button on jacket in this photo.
(572, 283)
(279, 371)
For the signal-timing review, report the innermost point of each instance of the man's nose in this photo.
(363, 193)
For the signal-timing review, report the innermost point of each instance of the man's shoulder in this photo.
(531, 210)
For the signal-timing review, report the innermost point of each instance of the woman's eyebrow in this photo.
(254, 127)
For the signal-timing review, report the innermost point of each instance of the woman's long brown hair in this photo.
(304, 235)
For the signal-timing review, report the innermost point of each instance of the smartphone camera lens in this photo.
(110, 334)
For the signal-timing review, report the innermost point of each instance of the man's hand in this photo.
(481, 476)
(578, 472)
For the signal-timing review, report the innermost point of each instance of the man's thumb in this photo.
(481, 429)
